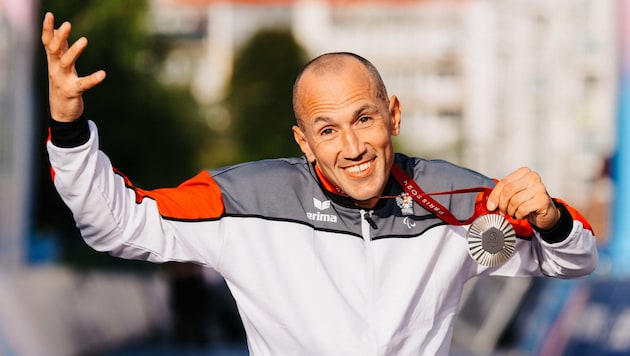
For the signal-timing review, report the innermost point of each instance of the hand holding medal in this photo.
(518, 202)
(520, 195)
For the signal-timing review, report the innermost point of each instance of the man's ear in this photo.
(300, 138)
(395, 113)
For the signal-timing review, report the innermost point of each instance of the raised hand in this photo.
(65, 87)
(523, 195)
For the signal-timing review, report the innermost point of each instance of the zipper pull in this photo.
(368, 217)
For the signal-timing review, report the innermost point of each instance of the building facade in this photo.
(492, 85)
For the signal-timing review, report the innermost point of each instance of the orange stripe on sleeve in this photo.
(575, 214)
(196, 198)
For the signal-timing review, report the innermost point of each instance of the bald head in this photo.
(331, 64)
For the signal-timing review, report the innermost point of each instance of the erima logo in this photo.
(321, 205)
(318, 216)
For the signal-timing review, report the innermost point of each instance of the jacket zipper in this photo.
(367, 218)
(367, 224)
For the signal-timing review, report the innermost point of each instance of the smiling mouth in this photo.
(359, 168)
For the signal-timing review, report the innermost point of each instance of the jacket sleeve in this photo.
(568, 250)
(173, 224)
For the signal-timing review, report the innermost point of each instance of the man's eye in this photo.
(326, 132)
(364, 119)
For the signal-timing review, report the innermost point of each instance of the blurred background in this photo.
(194, 84)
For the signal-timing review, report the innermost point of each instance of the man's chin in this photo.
(365, 203)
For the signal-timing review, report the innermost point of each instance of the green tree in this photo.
(151, 132)
(260, 91)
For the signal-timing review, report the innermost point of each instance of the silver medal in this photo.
(491, 240)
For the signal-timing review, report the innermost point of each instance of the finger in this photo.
(526, 185)
(493, 197)
(70, 57)
(47, 28)
(525, 197)
(90, 81)
(59, 39)
(511, 197)
(521, 204)
(496, 199)
(533, 204)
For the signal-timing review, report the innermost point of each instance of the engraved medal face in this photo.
(491, 240)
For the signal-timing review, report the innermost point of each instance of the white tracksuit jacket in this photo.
(309, 273)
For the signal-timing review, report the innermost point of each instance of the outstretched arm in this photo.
(113, 215)
(65, 87)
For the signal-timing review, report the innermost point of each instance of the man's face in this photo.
(347, 130)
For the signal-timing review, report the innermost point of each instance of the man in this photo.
(335, 253)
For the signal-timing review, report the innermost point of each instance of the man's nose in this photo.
(353, 147)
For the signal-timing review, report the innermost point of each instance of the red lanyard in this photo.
(426, 201)
(522, 227)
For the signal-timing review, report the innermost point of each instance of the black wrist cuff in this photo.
(69, 134)
(561, 230)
